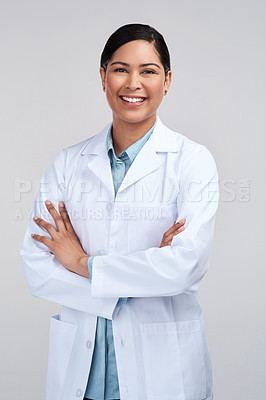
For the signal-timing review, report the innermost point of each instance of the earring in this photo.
(104, 88)
(165, 91)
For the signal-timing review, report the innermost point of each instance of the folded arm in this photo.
(45, 275)
(55, 265)
(174, 269)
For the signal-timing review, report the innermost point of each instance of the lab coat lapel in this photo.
(98, 160)
(147, 160)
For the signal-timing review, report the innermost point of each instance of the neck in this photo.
(125, 134)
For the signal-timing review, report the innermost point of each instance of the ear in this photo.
(168, 80)
(102, 73)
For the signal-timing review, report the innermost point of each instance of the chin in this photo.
(133, 119)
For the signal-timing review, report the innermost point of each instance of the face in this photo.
(133, 90)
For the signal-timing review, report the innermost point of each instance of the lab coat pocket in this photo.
(173, 360)
(62, 337)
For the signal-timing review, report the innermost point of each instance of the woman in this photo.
(131, 325)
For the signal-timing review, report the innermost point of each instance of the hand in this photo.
(175, 229)
(64, 243)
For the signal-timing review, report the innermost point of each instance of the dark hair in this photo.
(129, 32)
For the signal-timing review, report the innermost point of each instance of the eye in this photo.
(119, 69)
(149, 71)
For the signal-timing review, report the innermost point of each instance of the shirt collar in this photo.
(131, 151)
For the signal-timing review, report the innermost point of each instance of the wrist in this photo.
(83, 266)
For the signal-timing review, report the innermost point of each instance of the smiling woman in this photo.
(134, 89)
(127, 274)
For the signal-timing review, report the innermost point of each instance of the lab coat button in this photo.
(109, 206)
(79, 393)
(122, 342)
(88, 344)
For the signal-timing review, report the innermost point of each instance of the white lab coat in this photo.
(159, 335)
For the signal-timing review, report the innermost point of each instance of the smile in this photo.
(133, 99)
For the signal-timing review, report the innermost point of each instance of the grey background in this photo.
(51, 97)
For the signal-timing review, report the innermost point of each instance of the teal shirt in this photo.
(103, 379)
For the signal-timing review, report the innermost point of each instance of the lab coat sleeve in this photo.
(45, 276)
(174, 269)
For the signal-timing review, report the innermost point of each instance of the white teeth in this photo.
(132, 99)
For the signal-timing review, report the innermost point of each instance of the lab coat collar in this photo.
(163, 140)
(146, 161)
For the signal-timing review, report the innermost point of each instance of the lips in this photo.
(133, 100)
(133, 97)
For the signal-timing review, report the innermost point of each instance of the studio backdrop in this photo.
(51, 97)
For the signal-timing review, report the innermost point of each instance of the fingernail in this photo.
(48, 202)
(32, 235)
(35, 218)
(61, 204)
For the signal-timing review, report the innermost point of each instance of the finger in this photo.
(164, 243)
(59, 223)
(44, 224)
(176, 232)
(173, 234)
(65, 217)
(176, 225)
(181, 222)
(42, 239)
(167, 241)
(176, 228)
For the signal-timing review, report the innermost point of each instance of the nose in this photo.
(133, 81)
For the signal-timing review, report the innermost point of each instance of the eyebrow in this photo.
(141, 65)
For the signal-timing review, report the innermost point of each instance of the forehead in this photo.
(136, 51)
